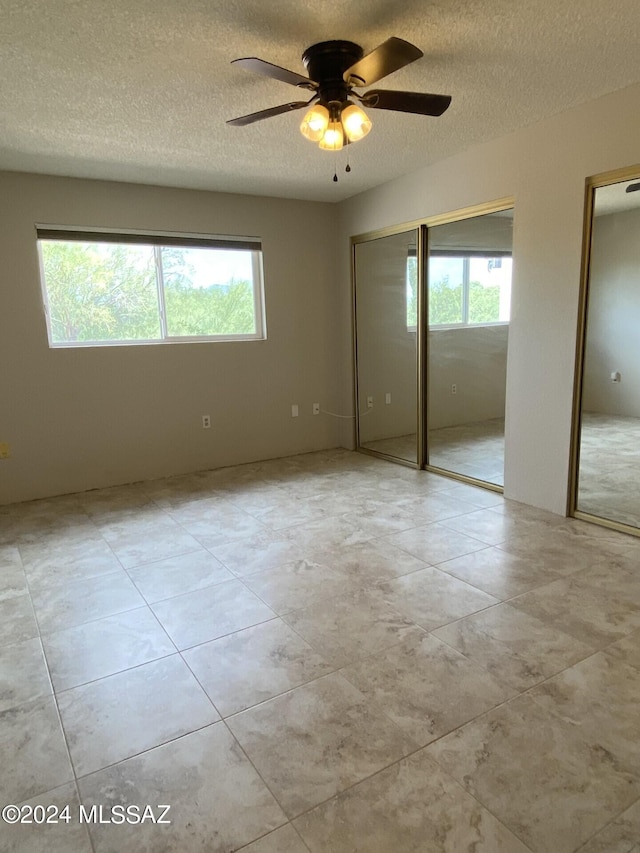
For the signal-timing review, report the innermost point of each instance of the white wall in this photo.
(613, 334)
(81, 418)
(544, 167)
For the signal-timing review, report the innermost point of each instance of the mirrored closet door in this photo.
(607, 444)
(386, 316)
(431, 322)
(469, 298)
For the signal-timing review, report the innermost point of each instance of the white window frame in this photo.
(154, 239)
(465, 256)
(412, 328)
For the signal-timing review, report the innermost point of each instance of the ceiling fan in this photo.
(336, 69)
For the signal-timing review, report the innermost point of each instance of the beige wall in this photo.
(544, 167)
(613, 336)
(81, 418)
(474, 359)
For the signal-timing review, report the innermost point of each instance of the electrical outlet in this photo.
(369, 402)
(387, 399)
(206, 422)
(5, 452)
(294, 410)
(316, 408)
(454, 389)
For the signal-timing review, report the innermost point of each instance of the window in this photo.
(103, 288)
(469, 289)
(412, 292)
(464, 289)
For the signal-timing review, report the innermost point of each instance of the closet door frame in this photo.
(422, 226)
(367, 237)
(592, 183)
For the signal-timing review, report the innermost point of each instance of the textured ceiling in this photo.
(139, 90)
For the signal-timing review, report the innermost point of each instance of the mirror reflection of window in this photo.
(412, 290)
(609, 448)
(469, 289)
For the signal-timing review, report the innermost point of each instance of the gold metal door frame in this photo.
(592, 183)
(367, 238)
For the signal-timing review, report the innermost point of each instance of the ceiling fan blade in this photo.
(272, 111)
(267, 69)
(406, 102)
(392, 54)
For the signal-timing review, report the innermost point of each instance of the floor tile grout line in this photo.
(69, 758)
(556, 712)
(493, 710)
(297, 831)
(202, 687)
(141, 752)
(342, 791)
(258, 773)
(113, 764)
(337, 670)
(246, 846)
(123, 671)
(93, 621)
(508, 684)
(393, 764)
(483, 805)
(607, 825)
(500, 600)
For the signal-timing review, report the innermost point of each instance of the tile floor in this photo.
(321, 653)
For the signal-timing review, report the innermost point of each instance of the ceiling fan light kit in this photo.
(315, 123)
(356, 122)
(333, 139)
(333, 129)
(336, 69)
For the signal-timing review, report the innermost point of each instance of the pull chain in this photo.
(335, 166)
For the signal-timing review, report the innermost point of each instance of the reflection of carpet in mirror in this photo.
(609, 481)
(475, 450)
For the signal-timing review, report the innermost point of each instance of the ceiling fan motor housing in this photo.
(326, 63)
